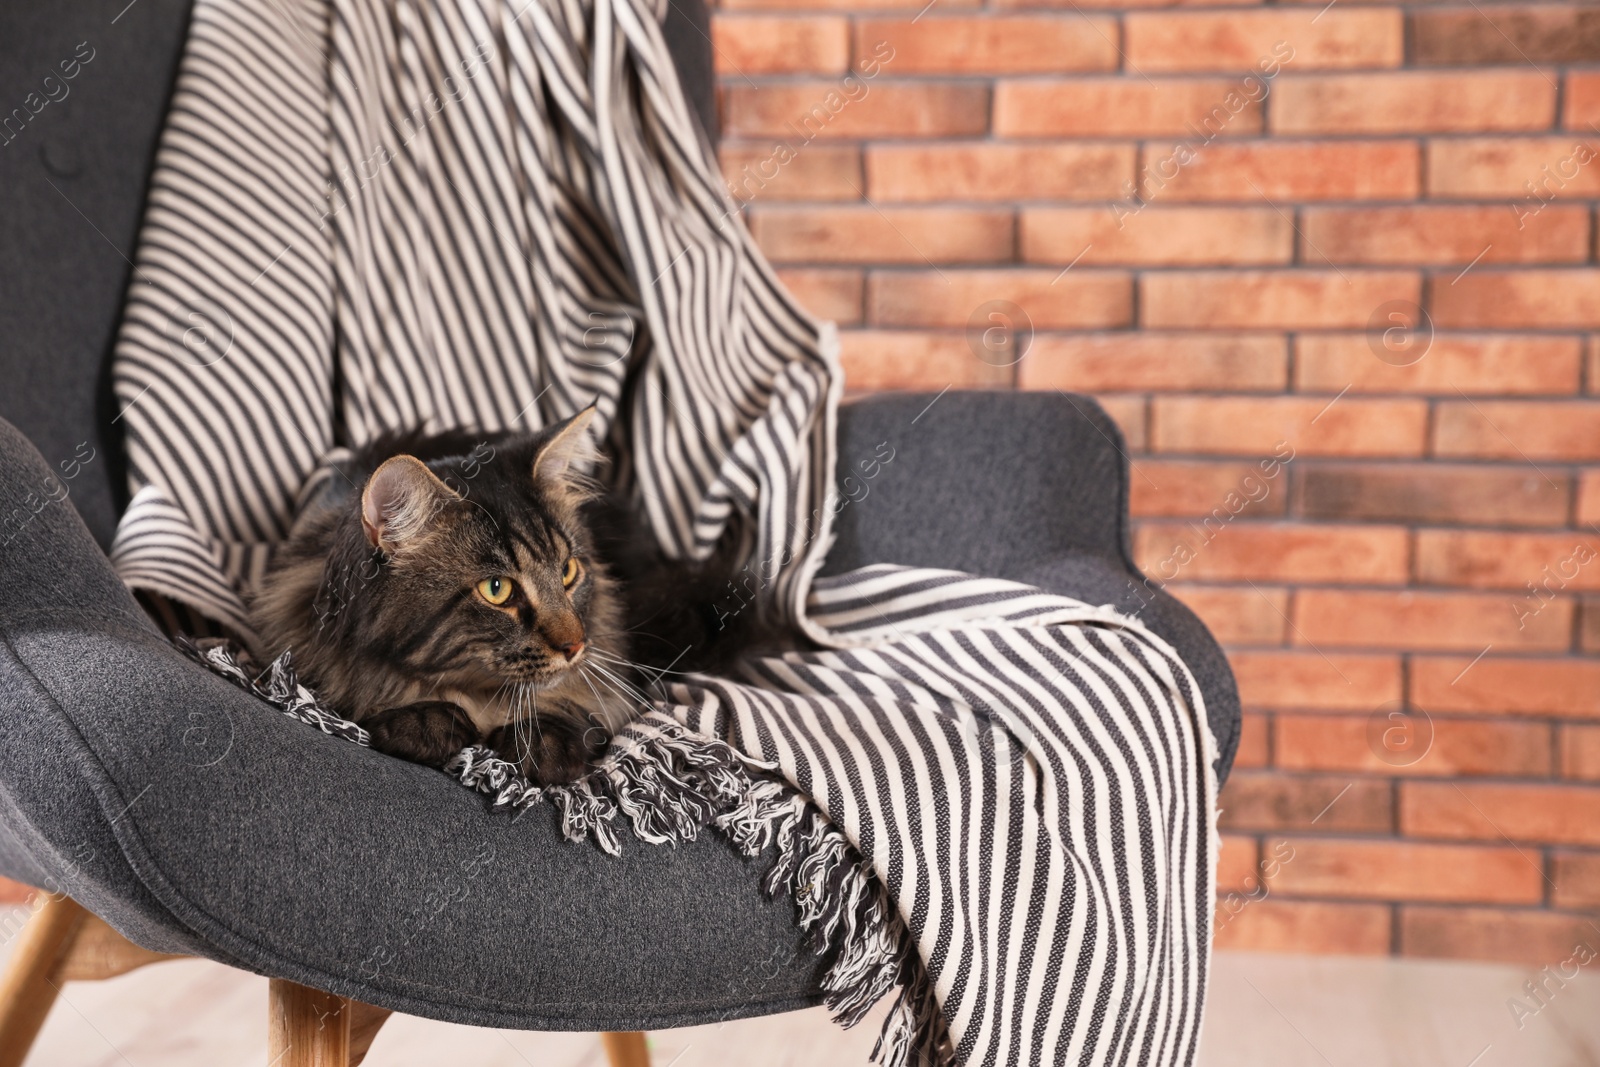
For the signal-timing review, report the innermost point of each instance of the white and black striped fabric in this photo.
(371, 214)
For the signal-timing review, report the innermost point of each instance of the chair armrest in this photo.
(984, 482)
(1032, 487)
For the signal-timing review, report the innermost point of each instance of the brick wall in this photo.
(1333, 271)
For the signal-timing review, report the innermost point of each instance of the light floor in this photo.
(1267, 1010)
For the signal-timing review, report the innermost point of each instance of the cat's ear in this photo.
(401, 497)
(570, 444)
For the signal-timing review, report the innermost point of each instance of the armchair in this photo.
(165, 812)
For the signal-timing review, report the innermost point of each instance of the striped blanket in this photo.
(369, 214)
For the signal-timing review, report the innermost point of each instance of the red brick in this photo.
(848, 6)
(1547, 299)
(1493, 364)
(1496, 685)
(1459, 747)
(1262, 40)
(1274, 925)
(1435, 234)
(1414, 102)
(1486, 559)
(1236, 863)
(1268, 800)
(1237, 425)
(911, 235)
(1577, 880)
(1238, 616)
(1114, 107)
(1272, 551)
(1008, 44)
(1313, 6)
(1589, 498)
(802, 111)
(1253, 299)
(1128, 412)
(1119, 4)
(1528, 170)
(1583, 100)
(1424, 621)
(1591, 372)
(774, 44)
(827, 294)
(1588, 618)
(1254, 741)
(967, 171)
(1588, 622)
(952, 298)
(1127, 233)
(1304, 679)
(1404, 870)
(1433, 493)
(1158, 362)
(876, 360)
(1283, 171)
(1580, 752)
(1518, 429)
(1528, 33)
(764, 173)
(1178, 487)
(1494, 811)
(1537, 938)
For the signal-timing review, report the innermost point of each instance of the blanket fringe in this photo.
(667, 783)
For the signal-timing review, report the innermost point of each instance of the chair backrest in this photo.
(75, 159)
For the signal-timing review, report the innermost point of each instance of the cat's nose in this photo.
(571, 649)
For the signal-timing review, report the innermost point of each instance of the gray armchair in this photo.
(165, 811)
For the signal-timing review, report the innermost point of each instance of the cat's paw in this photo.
(555, 752)
(429, 732)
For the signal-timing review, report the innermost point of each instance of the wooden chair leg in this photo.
(626, 1049)
(309, 1028)
(28, 988)
(365, 1021)
(306, 1027)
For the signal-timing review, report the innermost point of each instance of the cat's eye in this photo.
(570, 573)
(496, 590)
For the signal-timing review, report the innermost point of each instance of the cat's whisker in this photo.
(533, 697)
(622, 685)
(627, 697)
(655, 684)
(641, 667)
(531, 733)
(620, 671)
(623, 669)
(598, 699)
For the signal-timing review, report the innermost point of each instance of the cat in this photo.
(446, 590)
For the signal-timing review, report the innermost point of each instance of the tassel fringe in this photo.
(668, 783)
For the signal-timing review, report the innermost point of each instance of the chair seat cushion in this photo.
(302, 855)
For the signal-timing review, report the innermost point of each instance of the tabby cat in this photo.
(448, 590)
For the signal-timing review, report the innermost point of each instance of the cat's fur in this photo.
(376, 592)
